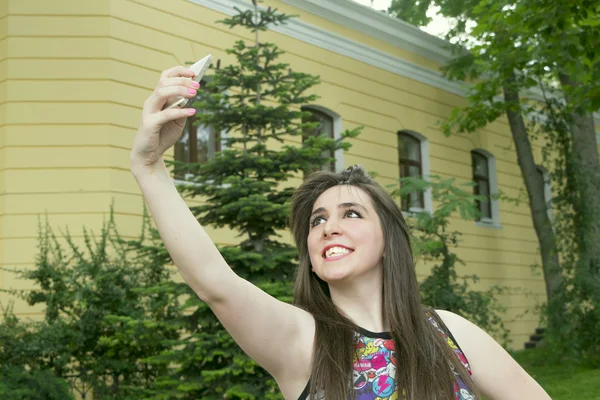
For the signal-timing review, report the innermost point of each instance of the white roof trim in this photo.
(378, 25)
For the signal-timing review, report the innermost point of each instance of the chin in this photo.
(335, 274)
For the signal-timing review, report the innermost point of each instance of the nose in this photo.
(331, 228)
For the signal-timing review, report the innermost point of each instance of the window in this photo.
(483, 165)
(197, 144)
(326, 127)
(543, 172)
(481, 178)
(410, 160)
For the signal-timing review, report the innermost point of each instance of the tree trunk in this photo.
(539, 210)
(586, 177)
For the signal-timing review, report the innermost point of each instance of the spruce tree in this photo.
(245, 189)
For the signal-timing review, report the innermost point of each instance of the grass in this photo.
(562, 381)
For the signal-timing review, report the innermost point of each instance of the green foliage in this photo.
(97, 304)
(22, 376)
(443, 288)
(18, 384)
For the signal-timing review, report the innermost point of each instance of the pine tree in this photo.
(245, 188)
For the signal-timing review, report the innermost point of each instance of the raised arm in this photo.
(260, 324)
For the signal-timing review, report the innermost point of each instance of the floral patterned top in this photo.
(375, 363)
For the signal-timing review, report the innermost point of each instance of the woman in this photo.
(357, 329)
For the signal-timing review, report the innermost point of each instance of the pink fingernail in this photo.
(191, 91)
(195, 84)
(191, 111)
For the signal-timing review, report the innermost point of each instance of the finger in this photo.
(161, 95)
(173, 114)
(179, 81)
(177, 71)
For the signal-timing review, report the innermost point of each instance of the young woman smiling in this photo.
(357, 328)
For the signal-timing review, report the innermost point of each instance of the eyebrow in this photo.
(340, 206)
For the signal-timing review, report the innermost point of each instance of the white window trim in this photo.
(494, 222)
(426, 170)
(548, 196)
(337, 131)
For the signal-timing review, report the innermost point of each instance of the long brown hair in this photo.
(425, 358)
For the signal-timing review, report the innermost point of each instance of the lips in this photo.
(335, 251)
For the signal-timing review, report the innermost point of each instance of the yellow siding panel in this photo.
(154, 37)
(56, 181)
(509, 272)
(510, 244)
(170, 31)
(26, 226)
(76, 90)
(140, 55)
(45, 47)
(3, 26)
(489, 256)
(61, 157)
(63, 69)
(58, 26)
(82, 202)
(69, 135)
(59, 7)
(3, 48)
(3, 67)
(73, 113)
(78, 202)
(81, 69)
(3, 84)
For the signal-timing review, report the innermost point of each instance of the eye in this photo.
(353, 214)
(316, 221)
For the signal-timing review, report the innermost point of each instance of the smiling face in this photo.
(345, 238)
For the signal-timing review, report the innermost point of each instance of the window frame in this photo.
(424, 169)
(338, 164)
(548, 195)
(220, 140)
(494, 205)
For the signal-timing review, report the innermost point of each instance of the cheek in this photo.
(313, 245)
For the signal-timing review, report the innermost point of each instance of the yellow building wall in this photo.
(75, 75)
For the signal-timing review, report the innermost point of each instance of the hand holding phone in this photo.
(199, 69)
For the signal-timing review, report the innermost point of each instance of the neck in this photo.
(361, 300)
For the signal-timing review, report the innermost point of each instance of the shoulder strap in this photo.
(431, 312)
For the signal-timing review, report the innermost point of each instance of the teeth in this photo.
(336, 251)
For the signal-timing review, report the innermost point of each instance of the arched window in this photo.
(329, 126)
(198, 143)
(483, 165)
(413, 160)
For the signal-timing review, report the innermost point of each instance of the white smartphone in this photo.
(199, 69)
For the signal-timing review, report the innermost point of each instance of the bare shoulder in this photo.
(495, 373)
